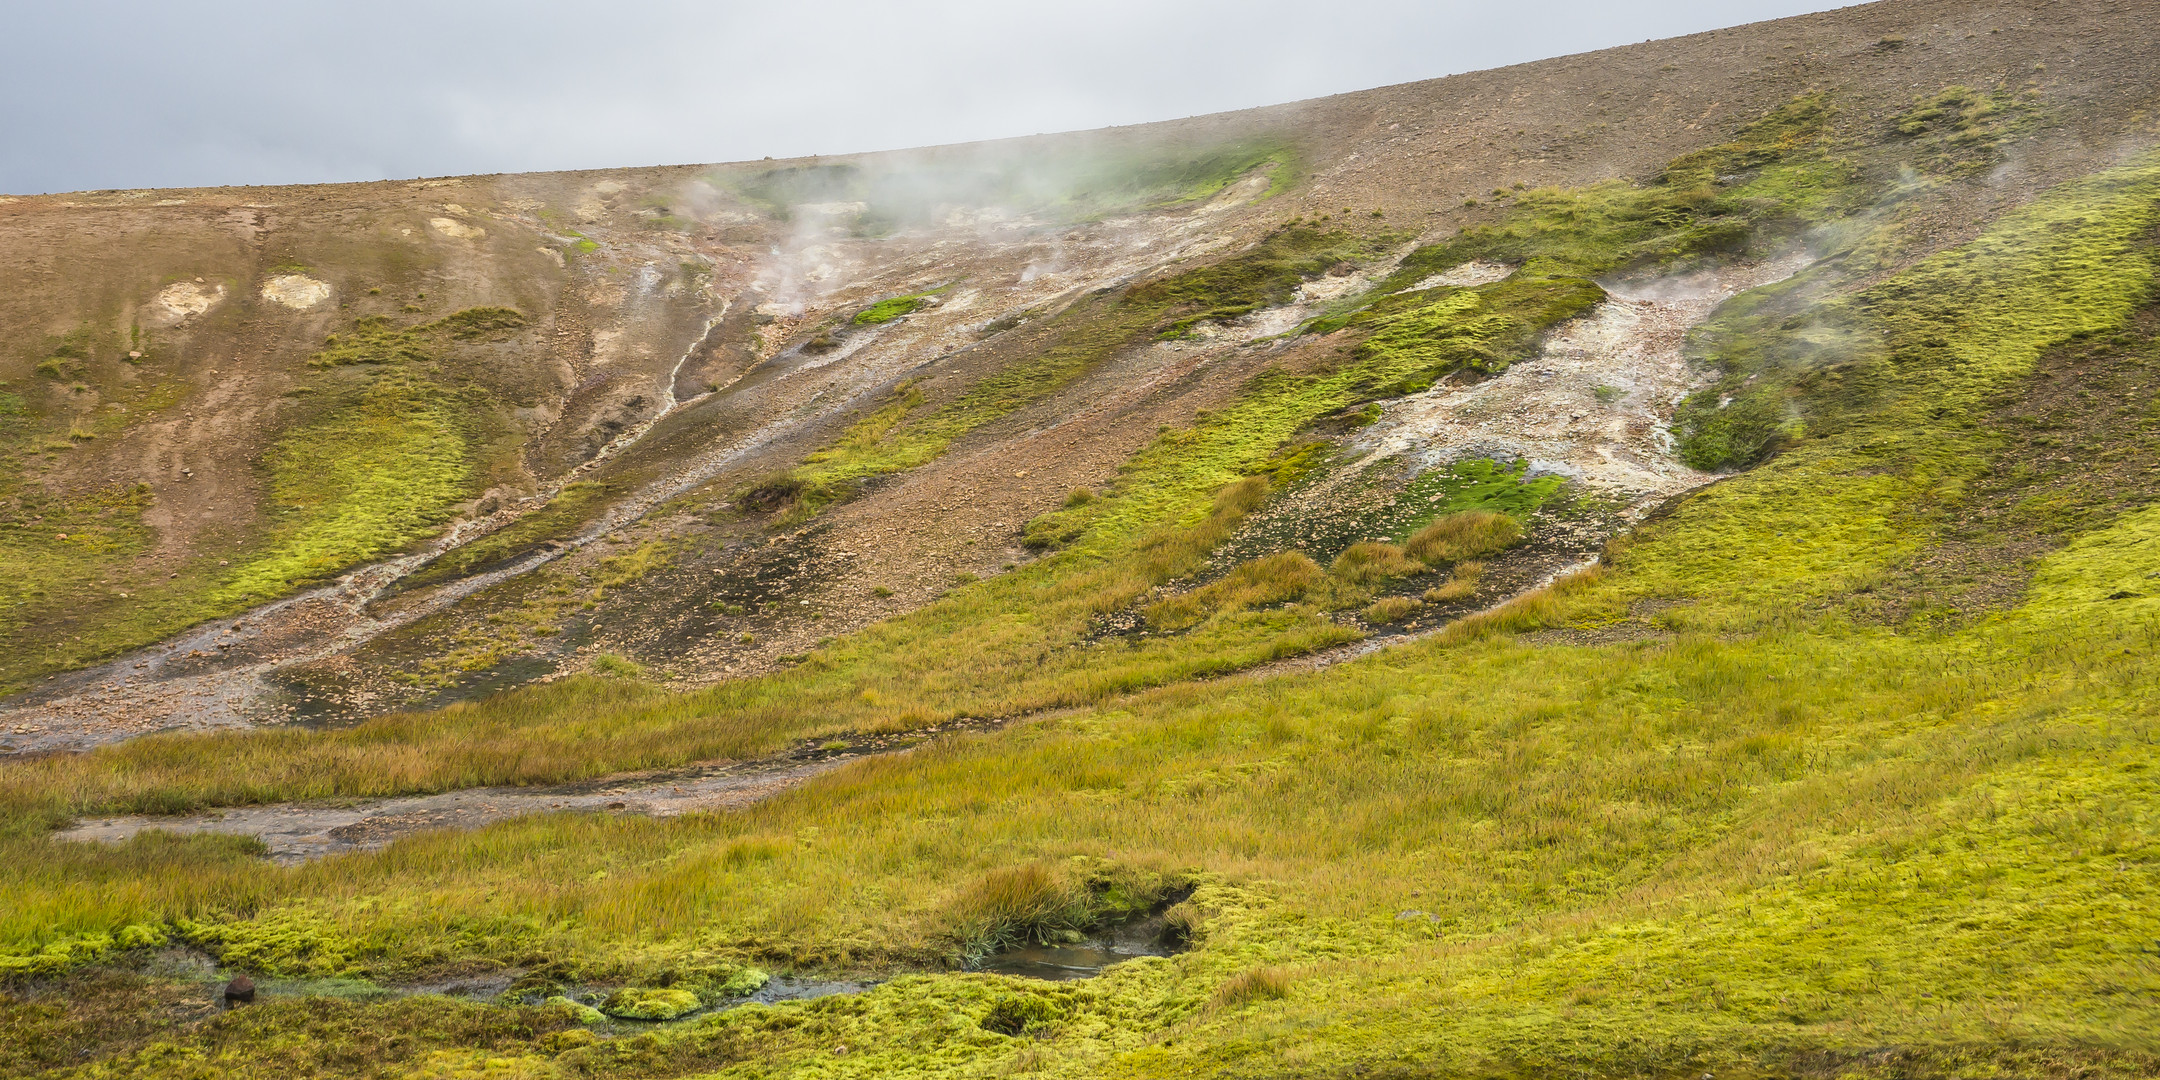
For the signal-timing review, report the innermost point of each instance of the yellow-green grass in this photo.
(1730, 851)
(1468, 535)
(357, 486)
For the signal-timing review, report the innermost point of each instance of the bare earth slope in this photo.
(696, 293)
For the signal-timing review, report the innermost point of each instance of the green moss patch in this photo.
(643, 1003)
(885, 311)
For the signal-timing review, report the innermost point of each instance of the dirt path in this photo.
(297, 832)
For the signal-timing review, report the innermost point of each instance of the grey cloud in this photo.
(101, 93)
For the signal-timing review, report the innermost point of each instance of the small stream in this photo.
(1087, 957)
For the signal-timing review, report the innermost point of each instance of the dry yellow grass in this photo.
(1471, 534)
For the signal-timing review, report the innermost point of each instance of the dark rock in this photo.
(240, 990)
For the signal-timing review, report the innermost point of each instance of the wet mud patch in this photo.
(1083, 955)
(1161, 929)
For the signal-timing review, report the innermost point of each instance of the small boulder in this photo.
(240, 990)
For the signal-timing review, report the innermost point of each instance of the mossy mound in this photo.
(645, 1003)
(585, 1014)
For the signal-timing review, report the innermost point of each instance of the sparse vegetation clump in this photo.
(885, 311)
(1246, 987)
(650, 1003)
(1273, 579)
(1371, 562)
(1460, 585)
(1391, 609)
(1472, 534)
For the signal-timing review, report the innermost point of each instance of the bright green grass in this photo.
(886, 310)
(356, 486)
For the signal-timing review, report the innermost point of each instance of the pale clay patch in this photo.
(296, 291)
(455, 229)
(1469, 275)
(187, 299)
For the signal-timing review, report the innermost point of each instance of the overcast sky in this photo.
(108, 94)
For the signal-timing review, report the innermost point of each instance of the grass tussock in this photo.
(1012, 905)
(1248, 987)
(1271, 579)
(1533, 610)
(1473, 534)
(1391, 609)
(1371, 562)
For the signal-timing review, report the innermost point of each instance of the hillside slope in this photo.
(1747, 442)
